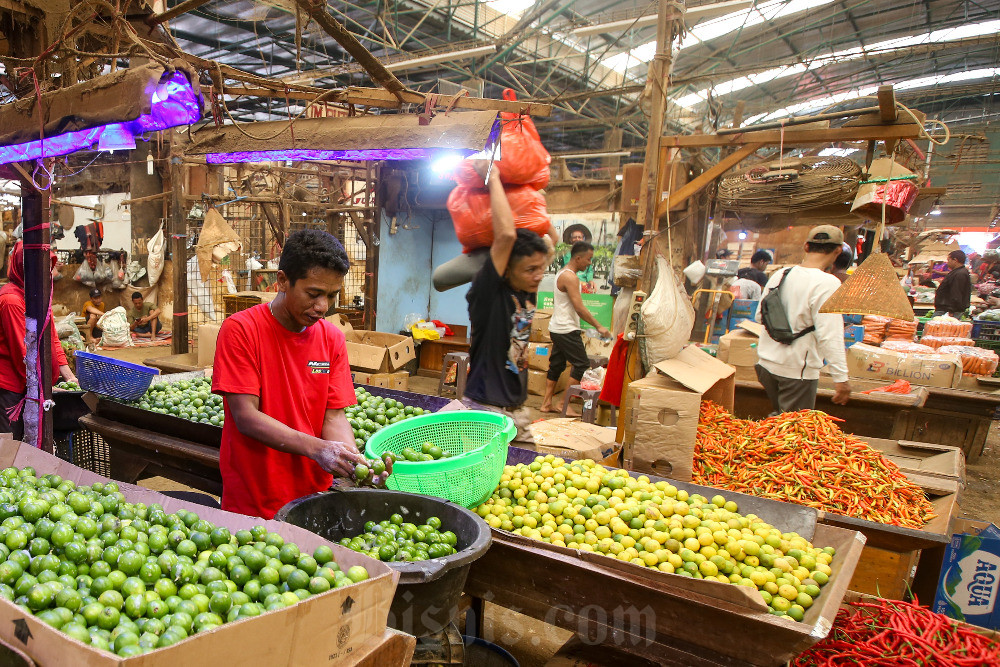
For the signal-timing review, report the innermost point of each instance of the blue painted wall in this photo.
(406, 261)
(450, 306)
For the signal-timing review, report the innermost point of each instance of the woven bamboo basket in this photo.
(873, 289)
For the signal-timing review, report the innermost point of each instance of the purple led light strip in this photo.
(174, 103)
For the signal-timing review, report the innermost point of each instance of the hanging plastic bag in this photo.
(118, 279)
(154, 261)
(667, 316)
(104, 273)
(473, 218)
(85, 275)
(115, 328)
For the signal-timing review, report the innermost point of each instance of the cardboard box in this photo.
(399, 380)
(324, 629)
(933, 370)
(853, 333)
(925, 458)
(598, 348)
(573, 439)
(738, 348)
(662, 410)
(537, 379)
(340, 322)
(538, 356)
(970, 576)
(208, 335)
(540, 326)
(377, 352)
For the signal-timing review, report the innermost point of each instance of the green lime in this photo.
(357, 573)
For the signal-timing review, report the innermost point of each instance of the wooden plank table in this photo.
(175, 363)
(138, 453)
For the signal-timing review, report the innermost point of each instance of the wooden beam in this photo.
(697, 184)
(177, 226)
(796, 137)
(175, 11)
(346, 39)
(377, 97)
(887, 104)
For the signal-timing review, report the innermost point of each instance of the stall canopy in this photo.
(375, 137)
(106, 111)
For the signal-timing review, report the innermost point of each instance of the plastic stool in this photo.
(461, 360)
(589, 397)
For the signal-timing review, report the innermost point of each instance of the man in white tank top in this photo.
(564, 326)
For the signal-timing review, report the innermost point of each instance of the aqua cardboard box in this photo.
(970, 577)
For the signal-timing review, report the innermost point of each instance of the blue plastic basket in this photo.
(111, 377)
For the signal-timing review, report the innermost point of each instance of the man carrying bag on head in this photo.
(797, 339)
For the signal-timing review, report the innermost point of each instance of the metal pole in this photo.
(178, 247)
(37, 312)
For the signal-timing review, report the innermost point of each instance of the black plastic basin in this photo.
(427, 596)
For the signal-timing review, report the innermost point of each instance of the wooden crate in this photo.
(888, 574)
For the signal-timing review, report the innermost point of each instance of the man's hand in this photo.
(842, 391)
(338, 458)
(605, 332)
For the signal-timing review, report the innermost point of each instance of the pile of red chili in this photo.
(891, 632)
(803, 457)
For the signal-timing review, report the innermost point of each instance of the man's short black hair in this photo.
(136, 295)
(761, 256)
(579, 248)
(308, 249)
(526, 244)
(957, 255)
(843, 260)
(823, 248)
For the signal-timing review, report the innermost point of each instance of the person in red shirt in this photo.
(13, 379)
(283, 371)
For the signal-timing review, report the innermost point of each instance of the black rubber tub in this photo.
(426, 599)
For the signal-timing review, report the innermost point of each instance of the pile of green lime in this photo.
(188, 399)
(396, 541)
(68, 385)
(373, 413)
(130, 578)
(428, 452)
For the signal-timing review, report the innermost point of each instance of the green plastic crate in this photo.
(476, 443)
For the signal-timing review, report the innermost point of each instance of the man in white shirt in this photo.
(790, 372)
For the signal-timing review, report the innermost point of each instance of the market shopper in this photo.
(501, 308)
(578, 233)
(789, 372)
(143, 317)
(954, 293)
(564, 326)
(755, 272)
(283, 371)
(92, 310)
(13, 377)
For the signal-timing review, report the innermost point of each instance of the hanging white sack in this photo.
(154, 261)
(667, 316)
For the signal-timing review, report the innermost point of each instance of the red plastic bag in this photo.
(523, 158)
(473, 218)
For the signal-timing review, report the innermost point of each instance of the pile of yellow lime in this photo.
(583, 505)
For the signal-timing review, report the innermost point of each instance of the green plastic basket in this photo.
(476, 443)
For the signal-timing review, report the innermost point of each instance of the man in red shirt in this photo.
(13, 378)
(284, 374)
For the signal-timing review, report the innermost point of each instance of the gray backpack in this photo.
(774, 317)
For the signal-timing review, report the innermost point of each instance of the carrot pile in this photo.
(945, 325)
(941, 341)
(875, 329)
(975, 360)
(908, 347)
(901, 330)
(891, 632)
(803, 457)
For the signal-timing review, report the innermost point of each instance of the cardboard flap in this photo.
(756, 328)
(695, 369)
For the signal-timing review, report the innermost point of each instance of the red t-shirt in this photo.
(298, 377)
(12, 350)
